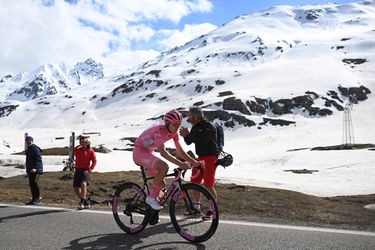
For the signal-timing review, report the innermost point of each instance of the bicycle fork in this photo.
(189, 204)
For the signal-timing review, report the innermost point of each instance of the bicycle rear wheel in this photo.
(188, 219)
(129, 208)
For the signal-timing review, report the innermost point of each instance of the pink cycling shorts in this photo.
(146, 159)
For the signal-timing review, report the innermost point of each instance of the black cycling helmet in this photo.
(225, 160)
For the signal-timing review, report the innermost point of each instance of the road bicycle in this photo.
(132, 214)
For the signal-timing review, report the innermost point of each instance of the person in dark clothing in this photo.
(203, 135)
(34, 168)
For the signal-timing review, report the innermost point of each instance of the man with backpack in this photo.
(204, 135)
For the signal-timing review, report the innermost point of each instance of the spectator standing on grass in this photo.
(34, 168)
(84, 165)
(203, 135)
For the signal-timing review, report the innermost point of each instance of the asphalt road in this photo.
(59, 228)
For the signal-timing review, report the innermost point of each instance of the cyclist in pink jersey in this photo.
(154, 138)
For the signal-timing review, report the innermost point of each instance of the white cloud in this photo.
(35, 35)
(200, 6)
(123, 58)
(32, 34)
(190, 31)
(140, 10)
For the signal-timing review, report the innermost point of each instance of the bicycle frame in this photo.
(135, 203)
(176, 183)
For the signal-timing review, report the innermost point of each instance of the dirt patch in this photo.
(235, 202)
(65, 150)
(346, 147)
(369, 146)
(51, 151)
(301, 171)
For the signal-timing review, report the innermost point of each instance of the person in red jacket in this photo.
(85, 163)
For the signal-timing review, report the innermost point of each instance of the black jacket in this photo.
(203, 135)
(34, 159)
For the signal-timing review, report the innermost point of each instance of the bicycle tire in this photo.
(181, 229)
(138, 201)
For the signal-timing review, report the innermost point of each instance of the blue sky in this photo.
(226, 10)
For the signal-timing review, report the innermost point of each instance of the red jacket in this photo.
(84, 157)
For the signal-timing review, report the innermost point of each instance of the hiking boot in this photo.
(153, 203)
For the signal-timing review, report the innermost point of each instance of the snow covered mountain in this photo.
(259, 69)
(50, 79)
(303, 61)
(277, 80)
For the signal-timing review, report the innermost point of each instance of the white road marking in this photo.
(229, 222)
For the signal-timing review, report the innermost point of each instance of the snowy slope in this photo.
(290, 66)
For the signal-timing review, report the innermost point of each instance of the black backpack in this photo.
(220, 136)
(224, 158)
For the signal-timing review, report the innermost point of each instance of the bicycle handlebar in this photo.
(179, 171)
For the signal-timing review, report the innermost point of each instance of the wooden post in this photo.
(71, 147)
(24, 141)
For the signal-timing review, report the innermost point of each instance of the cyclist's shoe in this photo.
(153, 203)
(208, 216)
(86, 204)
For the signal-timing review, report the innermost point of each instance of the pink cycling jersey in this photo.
(155, 137)
(146, 144)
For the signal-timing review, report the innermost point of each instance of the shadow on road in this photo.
(127, 241)
(2, 219)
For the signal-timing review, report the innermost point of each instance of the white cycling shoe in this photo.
(153, 203)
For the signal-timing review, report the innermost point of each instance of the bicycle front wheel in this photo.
(129, 208)
(188, 209)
